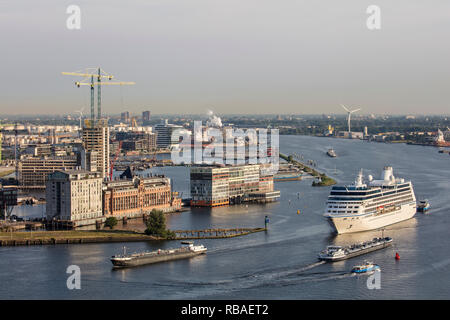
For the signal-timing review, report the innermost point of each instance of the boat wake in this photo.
(265, 278)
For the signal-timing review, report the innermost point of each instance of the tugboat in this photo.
(136, 259)
(331, 153)
(365, 268)
(423, 206)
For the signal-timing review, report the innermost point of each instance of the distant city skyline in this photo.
(231, 57)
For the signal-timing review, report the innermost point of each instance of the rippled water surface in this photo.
(278, 264)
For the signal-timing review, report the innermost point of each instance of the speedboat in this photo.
(366, 267)
(331, 153)
(423, 205)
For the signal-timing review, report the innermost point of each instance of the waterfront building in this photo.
(34, 171)
(8, 199)
(136, 196)
(165, 131)
(222, 185)
(74, 195)
(95, 136)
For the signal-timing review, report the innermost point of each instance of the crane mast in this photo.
(88, 80)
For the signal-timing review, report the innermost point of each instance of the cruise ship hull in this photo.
(367, 222)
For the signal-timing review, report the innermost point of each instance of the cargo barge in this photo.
(137, 259)
(338, 253)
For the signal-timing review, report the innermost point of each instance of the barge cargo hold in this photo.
(137, 259)
(338, 253)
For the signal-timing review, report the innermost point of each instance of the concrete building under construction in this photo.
(95, 135)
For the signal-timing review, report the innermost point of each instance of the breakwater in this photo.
(79, 237)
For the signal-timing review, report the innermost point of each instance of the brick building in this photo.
(134, 197)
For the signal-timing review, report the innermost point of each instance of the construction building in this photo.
(95, 137)
(137, 140)
(88, 160)
(223, 185)
(34, 171)
(137, 196)
(74, 195)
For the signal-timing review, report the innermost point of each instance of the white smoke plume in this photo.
(213, 121)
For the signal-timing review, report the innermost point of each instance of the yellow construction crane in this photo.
(89, 74)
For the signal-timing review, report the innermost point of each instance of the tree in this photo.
(110, 222)
(156, 225)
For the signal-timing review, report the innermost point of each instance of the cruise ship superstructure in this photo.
(361, 207)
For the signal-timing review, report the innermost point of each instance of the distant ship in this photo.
(361, 207)
(439, 141)
(136, 259)
(331, 153)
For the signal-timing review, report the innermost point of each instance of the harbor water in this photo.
(278, 264)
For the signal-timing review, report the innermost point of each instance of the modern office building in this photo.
(136, 196)
(222, 185)
(34, 171)
(95, 137)
(165, 134)
(125, 116)
(74, 195)
(8, 199)
(145, 118)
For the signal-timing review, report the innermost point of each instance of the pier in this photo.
(103, 236)
(214, 233)
(324, 180)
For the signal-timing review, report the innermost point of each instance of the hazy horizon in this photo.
(233, 57)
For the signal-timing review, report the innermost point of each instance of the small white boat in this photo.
(331, 153)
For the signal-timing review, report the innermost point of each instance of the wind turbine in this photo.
(349, 113)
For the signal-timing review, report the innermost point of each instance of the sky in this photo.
(229, 56)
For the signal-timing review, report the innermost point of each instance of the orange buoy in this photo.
(397, 256)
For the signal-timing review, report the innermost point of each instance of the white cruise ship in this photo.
(360, 206)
